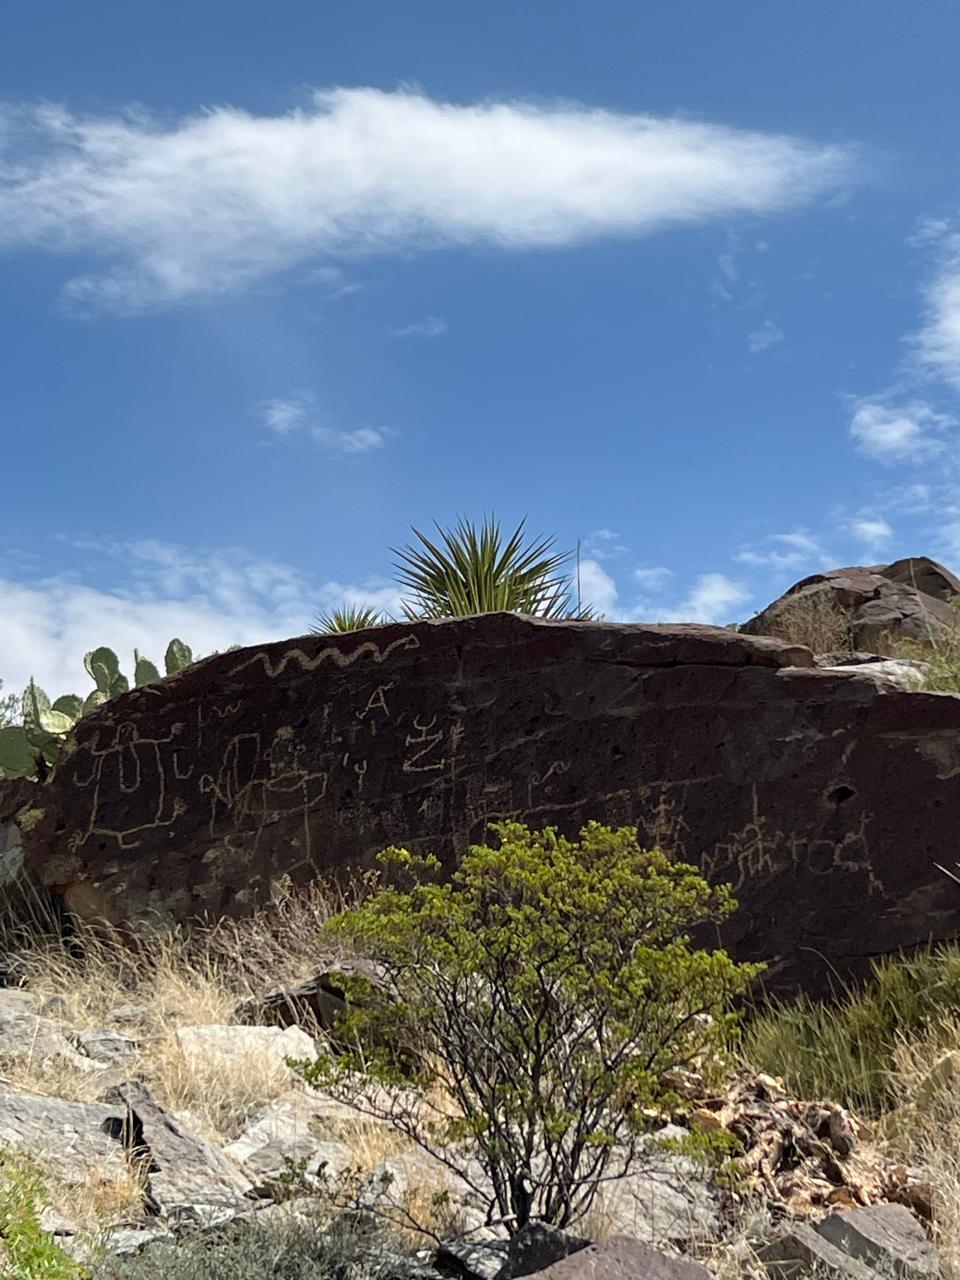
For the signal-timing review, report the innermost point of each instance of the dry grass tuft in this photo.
(169, 979)
(814, 619)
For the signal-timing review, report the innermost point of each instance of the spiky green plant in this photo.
(349, 617)
(474, 569)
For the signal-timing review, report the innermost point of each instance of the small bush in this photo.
(814, 619)
(532, 1007)
(844, 1050)
(289, 1245)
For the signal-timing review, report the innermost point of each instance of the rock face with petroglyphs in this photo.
(825, 797)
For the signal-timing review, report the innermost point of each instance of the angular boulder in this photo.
(824, 797)
(909, 599)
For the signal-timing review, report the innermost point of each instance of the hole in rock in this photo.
(839, 794)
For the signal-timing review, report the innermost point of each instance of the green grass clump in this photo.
(304, 1246)
(844, 1049)
(27, 1252)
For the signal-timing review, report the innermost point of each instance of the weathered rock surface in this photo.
(800, 1251)
(907, 599)
(825, 797)
(885, 1237)
(623, 1258)
(227, 1048)
(294, 1128)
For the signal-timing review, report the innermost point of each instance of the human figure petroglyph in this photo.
(418, 762)
(331, 653)
(128, 765)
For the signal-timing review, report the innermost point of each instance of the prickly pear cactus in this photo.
(24, 747)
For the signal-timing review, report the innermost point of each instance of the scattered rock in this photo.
(287, 1132)
(800, 1252)
(104, 1044)
(624, 1258)
(536, 1247)
(185, 1176)
(320, 1001)
(230, 1048)
(65, 1138)
(472, 1260)
(886, 1238)
(25, 1037)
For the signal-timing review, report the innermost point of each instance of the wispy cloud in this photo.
(796, 550)
(332, 282)
(603, 544)
(653, 580)
(713, 599)
(214, 201)
(768, 335)
(429, 327)
(899, 431)
(872, 531)
(299, 414)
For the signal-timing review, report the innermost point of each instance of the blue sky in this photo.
(680, 280)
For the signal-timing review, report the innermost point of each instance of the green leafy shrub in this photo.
(844, 1049)
(28, 748)
(473, 569)
(26, 1251)
(530, 1009)
(293, 1246)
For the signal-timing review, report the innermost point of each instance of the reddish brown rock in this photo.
(909, 599)
(824, 797)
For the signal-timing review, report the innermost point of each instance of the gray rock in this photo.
(665, 1200)
(65, 1138)
(187, 1177)
(623, 1258)
(536, 1247)
(211, 1047)
(104, 1044)
(472, 1260)
(801, 1251)
(886, 1238)
(289, 1130)
(27, 1038)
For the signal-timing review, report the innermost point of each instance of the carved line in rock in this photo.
(336, 655)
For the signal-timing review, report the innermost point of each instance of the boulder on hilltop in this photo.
(865, 608)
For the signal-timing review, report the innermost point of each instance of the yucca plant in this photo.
(349, 617)
(474, 569)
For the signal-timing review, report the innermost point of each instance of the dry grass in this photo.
(927, 1127)
(169, 980)
(814, 619)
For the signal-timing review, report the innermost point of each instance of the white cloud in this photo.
(332, 281)
(766, 336)
(937, 344)
(911, 431)
(214, 201)
(597, 588)
(284, 416)
(209, 600)
(654, 580)
(603, 544)
(872, 531)
(712, 599)
(429, 327)
(299, 413)
(782, 551)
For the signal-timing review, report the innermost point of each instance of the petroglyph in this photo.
(427, 742)
(128, 764)
(377, 701)
(332, 654)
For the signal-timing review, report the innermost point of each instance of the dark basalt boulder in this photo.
(824, 797)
